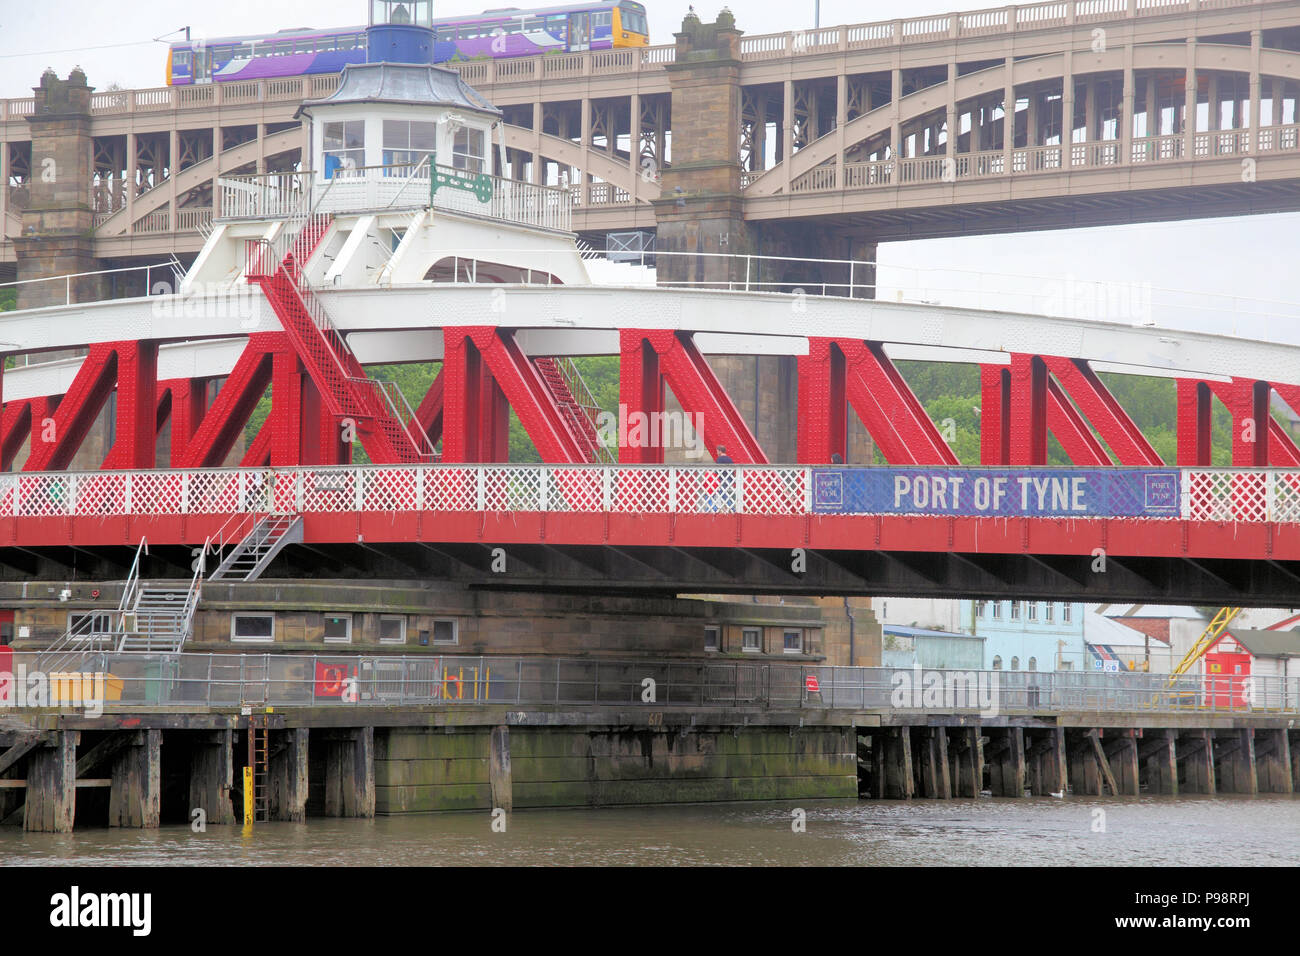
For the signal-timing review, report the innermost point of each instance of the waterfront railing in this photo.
(223, 680)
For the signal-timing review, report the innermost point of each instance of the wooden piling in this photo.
(135, 799)
(288, 776)
(212, 776)
(51, 798)
(350, 773)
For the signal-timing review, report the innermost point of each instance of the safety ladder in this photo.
(259, 758)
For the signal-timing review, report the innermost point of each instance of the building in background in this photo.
(920, 647)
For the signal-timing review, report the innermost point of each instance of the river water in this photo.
(1075, 831)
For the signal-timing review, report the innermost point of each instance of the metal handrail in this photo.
(431, 679)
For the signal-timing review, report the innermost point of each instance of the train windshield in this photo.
(633, 17)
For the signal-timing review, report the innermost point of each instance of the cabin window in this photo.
(445, 631)
(345, 146)
(792, 642)
(751, 640)
(392, 629)
(338, 628)
(711, 637)
(468, 150)
(407, 143)
(252, 628)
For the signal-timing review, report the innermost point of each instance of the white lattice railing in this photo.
(1209, 494)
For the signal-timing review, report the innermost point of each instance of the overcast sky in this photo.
(1243, 257)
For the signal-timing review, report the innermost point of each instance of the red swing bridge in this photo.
(438, 497)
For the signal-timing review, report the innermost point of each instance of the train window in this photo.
(243, 51)
(446, 34)
(633, 20)
(601, 18)
(305, 46)
(468, 151)
(181, 59)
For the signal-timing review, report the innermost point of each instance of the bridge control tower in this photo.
(400, 31)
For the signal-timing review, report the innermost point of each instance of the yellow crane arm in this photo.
(1213, 631)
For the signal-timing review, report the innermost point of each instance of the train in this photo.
(498, 33)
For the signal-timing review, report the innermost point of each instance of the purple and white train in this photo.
(492, 34)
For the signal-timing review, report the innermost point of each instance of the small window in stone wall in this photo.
(252, 627)
(792, 642)
(392, 629)
(751, 640)
(711, 638)
(445, 631)
(338, 628)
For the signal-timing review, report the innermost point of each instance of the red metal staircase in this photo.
(386, 425)
(576, 405)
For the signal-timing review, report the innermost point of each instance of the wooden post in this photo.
(1103, 763)
(288, 777)
(1158, 753)
(51, 801)
(1197, 756)
(1273, 762)
(212, 777)
(350, 773)
(1122, 761)
(135, 799)
(499, 777)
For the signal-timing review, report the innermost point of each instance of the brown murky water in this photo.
(1160, 831)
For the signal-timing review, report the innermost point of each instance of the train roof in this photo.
(500, 13)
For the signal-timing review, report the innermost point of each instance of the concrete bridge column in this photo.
(1008, 113)
(51, 792)
(287, 777)
(212, 776)
(1067, 103)
(132, 174)
(57, 223)
(896, 119)
(350, 773)
(1127, 107)
(539, 164)
(1189, 101)
(950, 115)
(1256, 89)
(135, 799)
(1234, 757)
(1273, 762)
(1158, 754)
(1195, 752)
(1005, 756)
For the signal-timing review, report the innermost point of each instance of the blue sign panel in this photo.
(1007, 492)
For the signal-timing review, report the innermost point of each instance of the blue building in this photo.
(1028, 635)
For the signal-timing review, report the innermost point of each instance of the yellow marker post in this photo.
(248, 798)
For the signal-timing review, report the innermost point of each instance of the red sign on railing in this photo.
(332, 679)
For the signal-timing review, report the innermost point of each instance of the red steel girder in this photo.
(1101, 409)
(131, 367)
(225, 420)
(698, 391)
(183, 402)
(1071, 430)
(484, 369)
(429, 414)
(995, 415)
(23, 418)
(837, 371)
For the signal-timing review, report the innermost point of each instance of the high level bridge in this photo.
(1044, 115)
